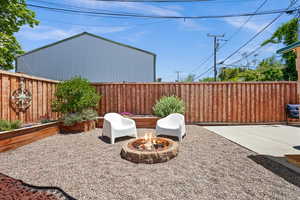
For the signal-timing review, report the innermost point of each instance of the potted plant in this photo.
(76, 100)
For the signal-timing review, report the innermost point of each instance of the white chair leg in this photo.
(180, 138)
(112, 140)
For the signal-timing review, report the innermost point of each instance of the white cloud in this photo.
(191, 25)
(131, 6)
(135, 37)
(43, 32)
(253, 25)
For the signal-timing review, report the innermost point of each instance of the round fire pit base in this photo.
(130, 153)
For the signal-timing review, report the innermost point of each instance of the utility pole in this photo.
(216, 46)
(178, 75)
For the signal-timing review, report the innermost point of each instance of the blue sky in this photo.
(180, 45)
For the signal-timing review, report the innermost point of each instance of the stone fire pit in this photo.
(149, 150)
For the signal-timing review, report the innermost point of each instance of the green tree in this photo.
(271, 69)
(159, 79)
(287, 34)
(207, 79)
(13, 15)
(250, 75)
(230, 74)
(189, 78)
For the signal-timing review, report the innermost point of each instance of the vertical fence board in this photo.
(246, 102)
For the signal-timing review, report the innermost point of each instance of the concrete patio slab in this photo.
(273, 141)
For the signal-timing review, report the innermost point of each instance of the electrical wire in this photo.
(281, 11)
(258, 33)
(232, 36)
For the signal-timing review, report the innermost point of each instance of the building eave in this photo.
(288, 48)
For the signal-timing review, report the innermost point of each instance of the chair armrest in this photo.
(127, 121)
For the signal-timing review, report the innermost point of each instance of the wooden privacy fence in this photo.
(247, 102)
(42, 91)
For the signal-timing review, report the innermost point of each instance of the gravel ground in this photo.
(207, 167)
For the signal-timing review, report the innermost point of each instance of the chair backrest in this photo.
(113, 117)
(176, 116)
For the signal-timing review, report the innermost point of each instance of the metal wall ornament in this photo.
(21, 98)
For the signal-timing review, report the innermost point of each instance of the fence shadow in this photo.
(277, 168)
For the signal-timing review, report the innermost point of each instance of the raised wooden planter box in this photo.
(141, 121)
(78, 127)
(294, 159)
(19, 137)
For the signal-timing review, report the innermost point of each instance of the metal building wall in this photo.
(87, 56)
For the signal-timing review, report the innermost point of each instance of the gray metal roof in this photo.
(90, 34)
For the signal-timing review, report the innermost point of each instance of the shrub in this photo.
(72, 118)
(7, 126)
(89, 114)
(74, 96)
(167, 105)
(85, 115)
(75, 99)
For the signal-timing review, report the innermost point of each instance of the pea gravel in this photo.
(208, 167)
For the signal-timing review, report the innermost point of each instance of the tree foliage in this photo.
(287, 34)
(268, 69)
(230, 74)
(75, 96)
(189, 78)
(13, 15)
(207, 79)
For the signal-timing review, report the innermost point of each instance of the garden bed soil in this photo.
(142, 121)
(12, 189)
(78, 127)
(19, 137)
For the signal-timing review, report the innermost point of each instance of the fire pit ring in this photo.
(163, 150)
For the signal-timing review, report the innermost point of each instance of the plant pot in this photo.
(84, 126)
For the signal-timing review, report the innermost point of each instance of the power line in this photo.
(281, 11)
(158, 1)
(169, 1)
(242, 26)
(258, 33)
(233, 35)
(202, 74)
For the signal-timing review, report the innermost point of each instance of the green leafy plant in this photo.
(75, 95)
(167, 105)
(89, 114)
(72, 118)
(7, 125)
(85, 115)
(75, 99)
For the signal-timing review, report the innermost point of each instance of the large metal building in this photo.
(90, 56)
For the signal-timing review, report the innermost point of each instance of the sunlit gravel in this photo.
(207, 167)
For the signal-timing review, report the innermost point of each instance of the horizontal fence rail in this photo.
(42, 91)
(247, 102)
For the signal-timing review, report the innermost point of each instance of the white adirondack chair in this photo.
(115, 125)
(172, 125)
